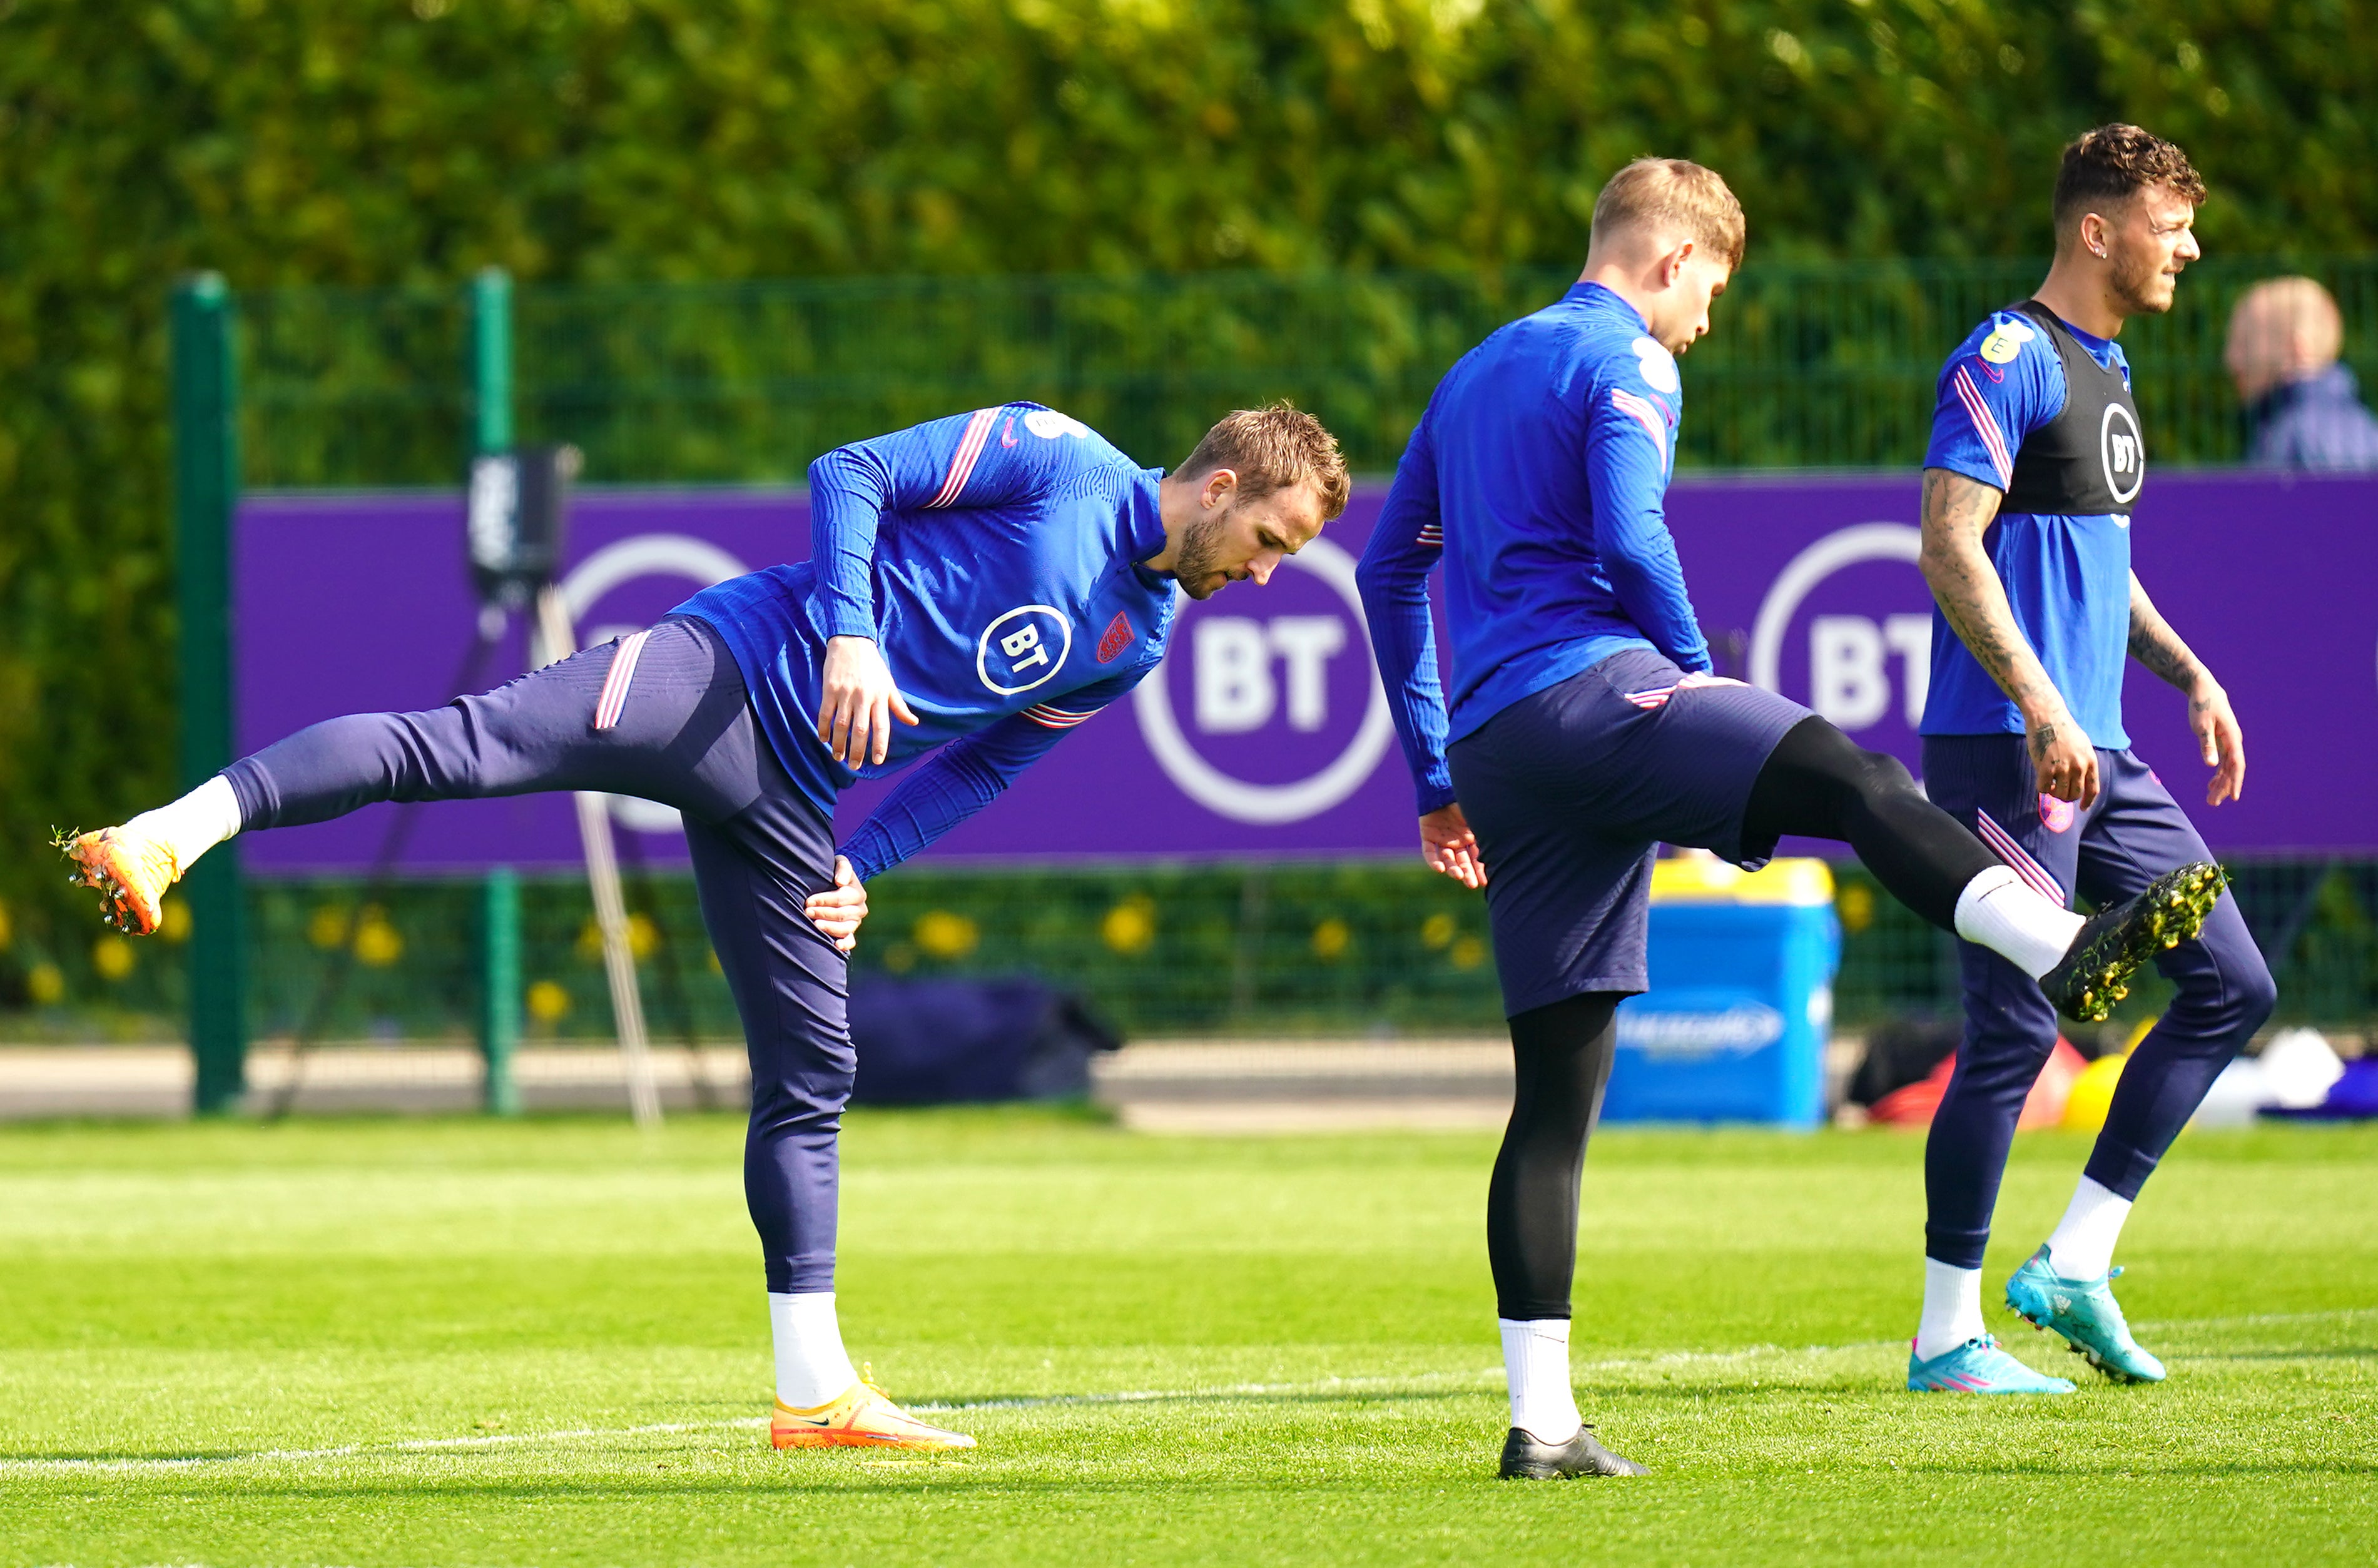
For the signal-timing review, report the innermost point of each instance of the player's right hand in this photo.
(858, 702)
(2064, 759)
(841, 909)
(1448, 846)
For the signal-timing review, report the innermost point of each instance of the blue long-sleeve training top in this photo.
(995, 559)
(1539, 475)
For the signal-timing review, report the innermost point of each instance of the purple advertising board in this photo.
(1266, 734)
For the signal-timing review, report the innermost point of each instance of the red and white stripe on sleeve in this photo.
(971, 444)
(612, 701)
(1048, 715)
(1644, 413)
(1986, 425)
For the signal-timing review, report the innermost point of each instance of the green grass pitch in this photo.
(461, 1343)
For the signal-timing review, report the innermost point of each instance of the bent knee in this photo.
(2235, 992)
(1886, 775)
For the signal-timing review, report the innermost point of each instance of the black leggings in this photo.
(1820, 783)
(1561, 1056)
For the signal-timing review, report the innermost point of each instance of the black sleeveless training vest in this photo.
(2088, 461)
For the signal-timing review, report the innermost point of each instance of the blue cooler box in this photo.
(1742, 997)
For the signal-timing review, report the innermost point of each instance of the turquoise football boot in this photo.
(1977, 1366)
(2085, 1313)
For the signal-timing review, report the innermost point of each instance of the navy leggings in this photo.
(2133, 833)
(685, 737)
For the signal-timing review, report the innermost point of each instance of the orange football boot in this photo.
(131, 872)
(863, 1418)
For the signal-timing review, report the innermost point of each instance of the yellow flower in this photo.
(548, 1002)
(328, 927)
(112, 957)
(945, 936)
(1331, 939)
(1130, 927)
(377, 943)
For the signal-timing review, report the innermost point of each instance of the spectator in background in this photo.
(2302, 407)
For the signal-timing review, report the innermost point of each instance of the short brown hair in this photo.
(2113, 163)
(1271, 448)
(1673, 193)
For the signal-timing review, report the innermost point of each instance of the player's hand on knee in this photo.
(2223, 743)
(840, 908)
(858, 702)
(2064, 759)
(1447, 846)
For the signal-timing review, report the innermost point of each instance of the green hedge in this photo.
(374, 142)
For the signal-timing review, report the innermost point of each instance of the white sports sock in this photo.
(2083, 1247)
(192, 825)
(1999, 911)
(812, 1365)
(1535, 1360)
(1952, 1308)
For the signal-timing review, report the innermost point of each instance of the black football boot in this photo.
(2093, 973)
(1526, 1459)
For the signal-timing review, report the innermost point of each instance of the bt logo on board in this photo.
(1267, 708)
(1846, 628)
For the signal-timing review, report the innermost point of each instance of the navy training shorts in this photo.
(1572, 789)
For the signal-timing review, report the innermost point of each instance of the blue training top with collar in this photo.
(2068, 579)
(995, 558)
(1539, 475)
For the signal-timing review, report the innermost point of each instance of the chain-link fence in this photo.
(1811, 367)
(1358, 948)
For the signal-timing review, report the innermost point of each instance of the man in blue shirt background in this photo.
(2034, 465)
(977, 586)
(1585, 728)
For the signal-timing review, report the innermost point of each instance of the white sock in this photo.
(2083, 1247)
(1999, 911)
(813, 1368)
(192, 825)
(1535, 1360)
(1952, 1308)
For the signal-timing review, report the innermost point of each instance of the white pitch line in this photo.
(1489, 1376)
(349, 1450)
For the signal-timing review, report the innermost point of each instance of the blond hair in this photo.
(1274, 448)
(1673, 196)
(2284, 329)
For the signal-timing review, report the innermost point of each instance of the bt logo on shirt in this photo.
(1023, 649)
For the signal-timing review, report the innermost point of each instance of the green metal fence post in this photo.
(206, 488)
(491, 362)
(500, 987)
(500, 903)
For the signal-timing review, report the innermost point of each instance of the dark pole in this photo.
(206, 491)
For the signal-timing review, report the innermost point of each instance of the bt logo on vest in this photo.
(2123, 453)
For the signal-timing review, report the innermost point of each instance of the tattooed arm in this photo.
(1957, 512)
(2155, 645)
